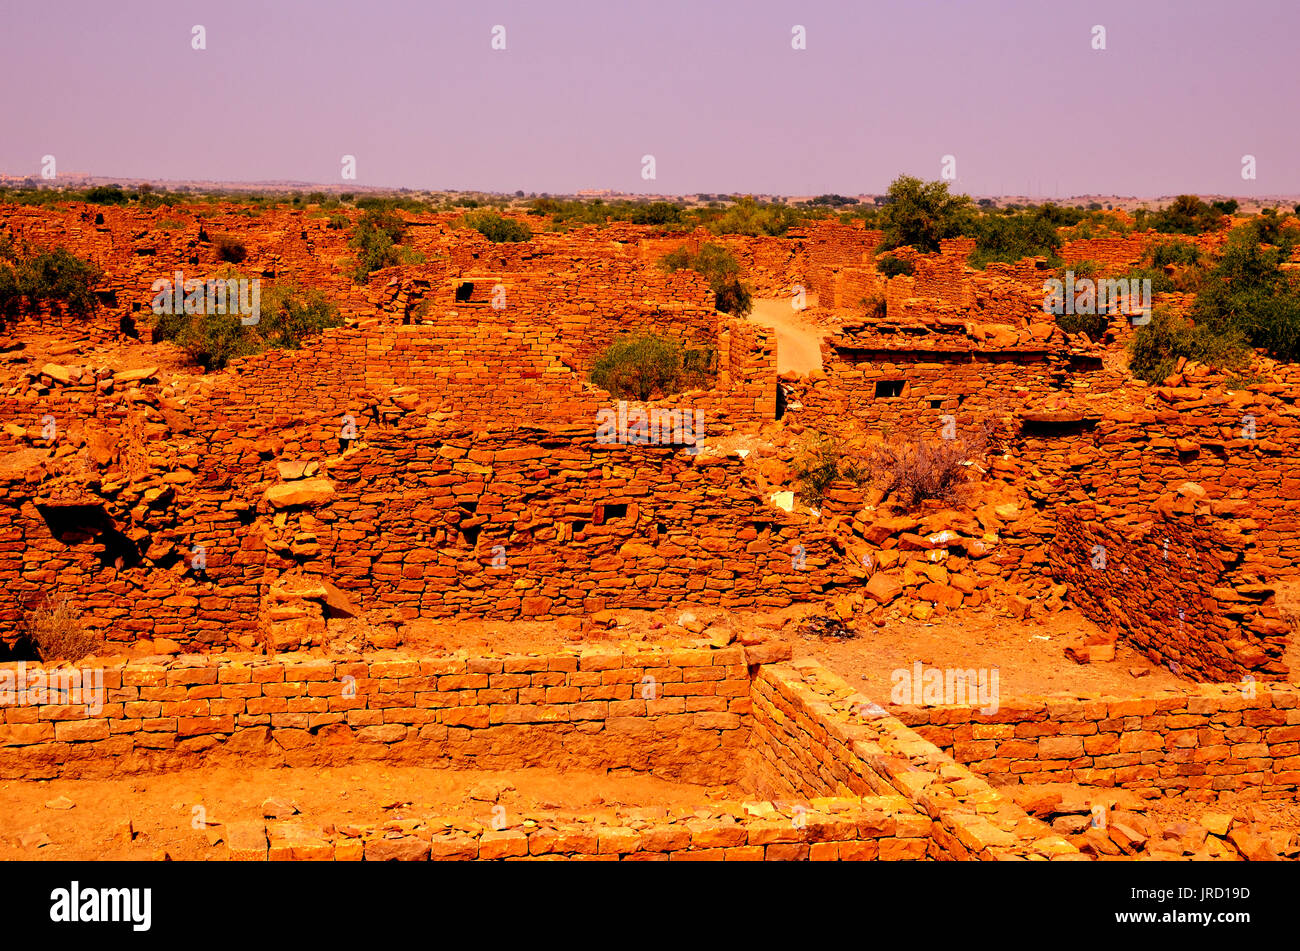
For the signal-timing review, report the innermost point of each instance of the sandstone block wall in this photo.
(844, 830)
(538, 523)
(584, 710)
(1181, 589)
(1222, 737)
(815, 733)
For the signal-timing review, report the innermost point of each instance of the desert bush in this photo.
(1009, 237)
(875, 306)
(912, 468)
(891, 266)
(56, 278)
(748, 217)
(919, 214)
(229, 249)
(494, 227)
(1157, 346)
(1094, 325)
(376, 237)
(647, 367)
(821, 460)
(55, 631)
(720, 268)
(337, 222)
(288, 316)
(107, 195)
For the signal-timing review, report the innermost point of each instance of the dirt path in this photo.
(798, 342)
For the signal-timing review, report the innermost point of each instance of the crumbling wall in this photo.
(1187, 590)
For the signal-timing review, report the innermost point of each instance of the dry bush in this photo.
(56, 632)
(913, 468)
(821, 460)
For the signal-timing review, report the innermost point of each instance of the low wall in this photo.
(682, 714)
(1214, 737)
(816, 735)
(879, 827)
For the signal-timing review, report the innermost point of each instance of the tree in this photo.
(919, 214)
(720, 268)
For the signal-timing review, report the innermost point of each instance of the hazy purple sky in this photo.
(711, 88)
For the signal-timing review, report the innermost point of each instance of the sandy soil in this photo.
(162, 807)
(798, 340)
(1029, 656)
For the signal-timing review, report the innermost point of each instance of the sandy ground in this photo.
(1028, 655)
(798, 341)
(162, 807)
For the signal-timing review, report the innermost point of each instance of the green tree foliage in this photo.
(1247, 294)
(1187, 214)
(720, 268)
(747, 216)
(648, 367)
(919, 214)
(1010, 237)
(1157, 346)
(890, 266)
(377, 234)
(107, 195)
(55, 278)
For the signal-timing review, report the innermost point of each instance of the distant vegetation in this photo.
(890, 266)
(649, 367)
(494, 227)
(57, 279)
(720, 268)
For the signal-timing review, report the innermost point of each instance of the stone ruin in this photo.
(438, 459)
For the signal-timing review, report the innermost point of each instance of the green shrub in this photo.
(1094, 325)
(376, 237)
(821, 460)
(56, 278)
(494, 227)
(288, 316)
(337, 222)
(1157, 346)
(720, 268)
(1187, 214)
(748, 217)
(1009, 237)
(919, 214)
(891, 266)
(107, 195)
(647, 367)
